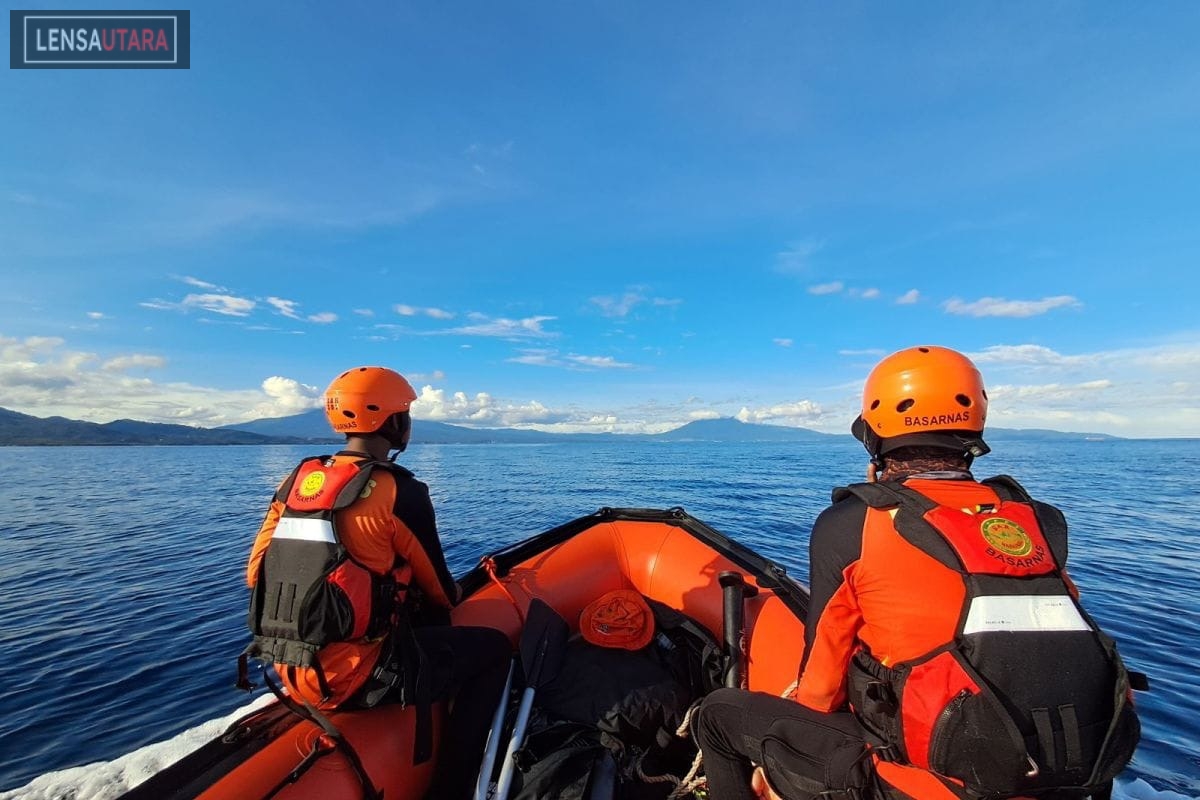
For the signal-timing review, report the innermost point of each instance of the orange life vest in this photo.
(1027, 695)
(310, 591)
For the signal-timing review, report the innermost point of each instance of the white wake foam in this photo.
(108, 779)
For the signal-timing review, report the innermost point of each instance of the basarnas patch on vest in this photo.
(1006, 536)
(313, 483)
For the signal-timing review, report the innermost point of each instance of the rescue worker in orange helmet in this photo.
(357, 532)
(940, 617)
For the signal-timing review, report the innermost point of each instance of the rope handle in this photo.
(489, 566)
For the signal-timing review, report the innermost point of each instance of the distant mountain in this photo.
(310, 427)
(23, 429)
(728, 429)
(1043, 435)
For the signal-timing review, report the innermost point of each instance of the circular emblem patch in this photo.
(312, 484)
(1006, 536)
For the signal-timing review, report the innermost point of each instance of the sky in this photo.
(612, 216)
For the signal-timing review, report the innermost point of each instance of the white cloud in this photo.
(707, 414)
(285, 307)
(39, 376)
(869, 294)
(826, 288)
(480, 410)
(199, 284)
(537, 358)
(364, 312)
(285, 396)
(419, 377)
(796, 259)
(783, 342)
(623, 306)
(800, 413)
(528, 328)
(220, 304)
(618, 306)
(1048, 392)
(1125, 392)
(412, 311)
(551, 358)
(1144, 391)
(288, 308)
(96, 315)
(908, 298)
(135, 361)
(1024, 354)
(598, 362)
(999, 307)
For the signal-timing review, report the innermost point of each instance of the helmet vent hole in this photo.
(348, 413)
(905, 405)
(923, 349)
(372, 407)
(962, 400)
(874, 405)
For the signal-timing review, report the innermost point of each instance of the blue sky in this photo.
(613, 216)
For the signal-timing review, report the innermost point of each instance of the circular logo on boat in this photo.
(1006, 536)
(312, 485)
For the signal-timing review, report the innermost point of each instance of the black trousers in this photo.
(730, 727)
(468, 667)
(472, 664)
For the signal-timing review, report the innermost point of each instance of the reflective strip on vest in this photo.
(1023, 613)
(308, 529)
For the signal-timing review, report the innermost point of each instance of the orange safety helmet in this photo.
(362, 399)
(621, 618)
(923, 396)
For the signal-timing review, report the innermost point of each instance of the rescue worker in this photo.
(383, 518)
(940, 618)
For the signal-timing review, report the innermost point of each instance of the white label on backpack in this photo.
(1023, 613)
(309, 529)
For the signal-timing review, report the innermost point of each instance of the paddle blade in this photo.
(543, 642)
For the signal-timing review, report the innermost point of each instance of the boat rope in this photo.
(307, 711)
(664, 778)
(692, 780)
(322, 746)
(489, 566)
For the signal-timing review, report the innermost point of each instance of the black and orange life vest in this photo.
(310, 591)
(1029, 696)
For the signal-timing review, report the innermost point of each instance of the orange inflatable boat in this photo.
(723, 615)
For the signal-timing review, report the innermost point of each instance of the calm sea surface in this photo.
(122, 602)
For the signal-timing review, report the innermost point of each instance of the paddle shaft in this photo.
(504, 785)
(493, 740)
(542, 642)
(735, 590)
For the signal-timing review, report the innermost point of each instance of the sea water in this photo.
(122, 572)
